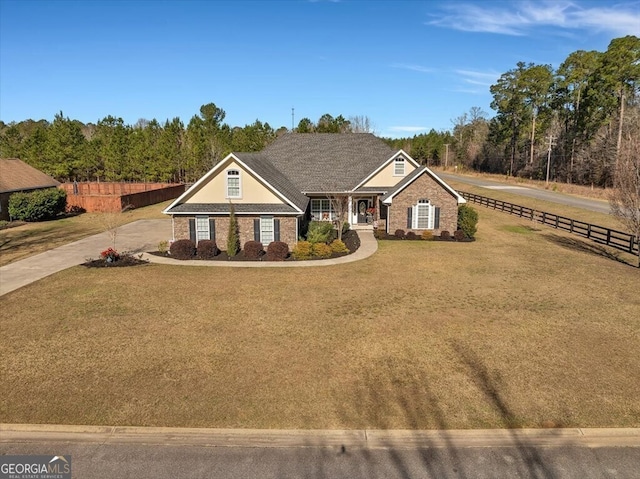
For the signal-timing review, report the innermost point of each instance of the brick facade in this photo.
(245, 228)
(423, 187)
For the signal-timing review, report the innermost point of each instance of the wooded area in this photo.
(579, 120)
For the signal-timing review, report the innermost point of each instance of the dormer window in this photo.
(233, 184)
(398, 167)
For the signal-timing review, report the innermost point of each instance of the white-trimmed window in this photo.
(266, 230)
(321, 210)
(423, 215)
(202, 228)
(233, 184)
(398, 167)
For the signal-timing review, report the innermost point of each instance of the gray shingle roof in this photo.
(259, 163)
(327, 161)
(240, 208)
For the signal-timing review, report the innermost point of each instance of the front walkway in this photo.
(138, 237)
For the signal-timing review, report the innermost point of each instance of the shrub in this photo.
(207, 249)
(37, 205)
(253, 249)
(459, 235)
(183, 249)
(338, 246)
(163, 246)
(110, 255)
(379, 234)
(427, 235)
(411, 235)
(467, 220)
(321, 250)
(345, 227)
(233, 238)
(320, 232)
(302, 250)
(277, 251)
(445, 235)
(399, 234)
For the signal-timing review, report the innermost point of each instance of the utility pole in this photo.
(551, 140)
(446, 155)
(292, 120)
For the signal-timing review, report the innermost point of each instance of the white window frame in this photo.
(233, 174)
(399, 167)
(423, 205)
(322, 210)
(202, 228)
(269, 222)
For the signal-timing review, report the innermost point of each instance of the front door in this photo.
(361, 208)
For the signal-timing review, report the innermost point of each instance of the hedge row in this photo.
(37, 205)
(207, 249)
(445, 235)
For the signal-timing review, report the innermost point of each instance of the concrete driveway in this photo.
(139, 236)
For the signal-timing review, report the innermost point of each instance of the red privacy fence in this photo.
(109, 197)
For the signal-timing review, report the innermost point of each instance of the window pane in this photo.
(422, 216)
(266, 230)
(398, 167)
(202, 228)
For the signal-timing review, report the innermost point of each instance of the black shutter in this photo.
(409, 217)
(436, 219)
(276, 230)
(256, 229)
(212, 229)
(192, 229)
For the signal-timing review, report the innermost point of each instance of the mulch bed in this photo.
(350, 239)
(123, 261)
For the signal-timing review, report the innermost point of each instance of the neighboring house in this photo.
(17, 176)
(275, 192)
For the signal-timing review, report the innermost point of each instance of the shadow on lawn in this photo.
(586, 246)
(413, 398)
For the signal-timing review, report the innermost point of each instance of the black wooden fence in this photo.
(613, 238)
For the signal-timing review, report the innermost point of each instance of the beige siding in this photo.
(385, 176)
(215, 190)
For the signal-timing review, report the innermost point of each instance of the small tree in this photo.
(340, 207)
(233, 237)
(624, 200)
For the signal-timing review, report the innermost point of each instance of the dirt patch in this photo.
(122, 262)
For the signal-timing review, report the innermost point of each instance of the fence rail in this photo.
(615, 239)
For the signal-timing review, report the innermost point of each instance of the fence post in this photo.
(589, 230)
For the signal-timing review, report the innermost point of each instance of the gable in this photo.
(252, 190)
(387, 175)
(423, 176)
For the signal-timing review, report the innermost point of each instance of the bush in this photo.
(345, 227)
(207, 249)
(321, 250)
(277, 251)
(163, 246)
(459, 235)
(467, 220)
(445, 235)
(379, 234)
(320, 232)
(253, 249)
(411, 235)
(37, 205)
(399, 234)
(427, 235)
(338, 246)
(302, 250)
(183, 249)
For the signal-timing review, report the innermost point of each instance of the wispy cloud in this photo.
(408, 129)
(520, 18)
(483, 79)
(415, 68)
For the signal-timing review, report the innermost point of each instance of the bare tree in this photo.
(625, 196)
(361, 124)
(340, 207)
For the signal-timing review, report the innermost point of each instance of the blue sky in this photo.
(409, 66)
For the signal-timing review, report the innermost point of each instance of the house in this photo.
(276, 192)
(16, 176)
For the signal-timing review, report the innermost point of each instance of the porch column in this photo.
(350, 210)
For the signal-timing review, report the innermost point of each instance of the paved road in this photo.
(118, 461)
(598, 206)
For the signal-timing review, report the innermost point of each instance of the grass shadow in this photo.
(585, 246)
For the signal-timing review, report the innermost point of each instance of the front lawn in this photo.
(523, 327)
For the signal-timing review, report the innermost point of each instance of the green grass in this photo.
(33, 238)
(535, 329)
